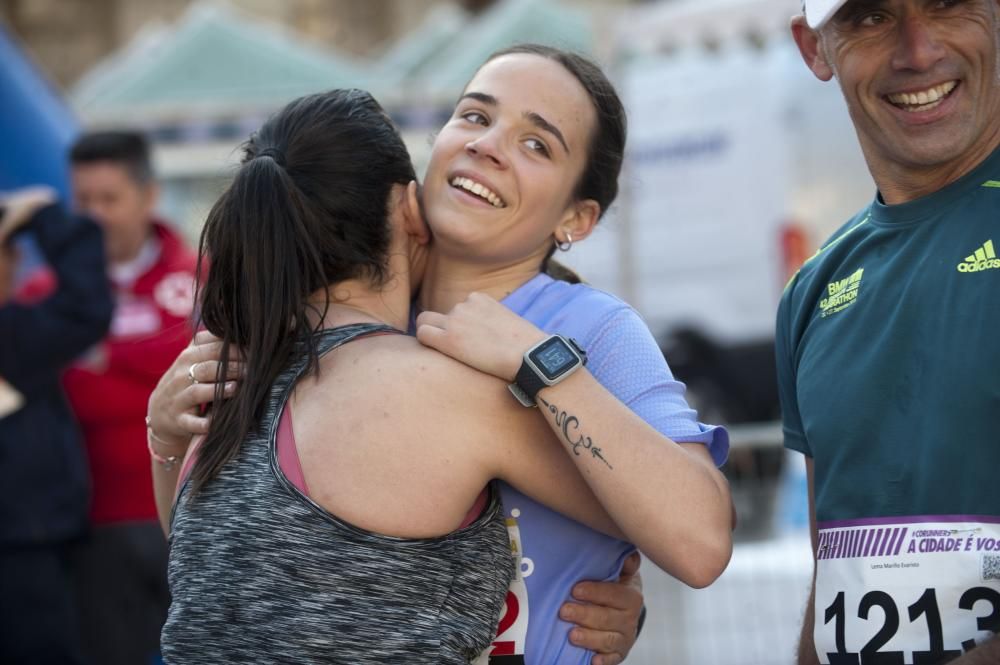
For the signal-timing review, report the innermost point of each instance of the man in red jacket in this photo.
(121, 567)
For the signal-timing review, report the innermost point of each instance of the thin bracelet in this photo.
(168, 463)
(152, 434)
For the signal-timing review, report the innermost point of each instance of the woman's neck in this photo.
(355, 301)
(448, 282)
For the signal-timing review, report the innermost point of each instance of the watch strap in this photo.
(528, 384)
(520, 395)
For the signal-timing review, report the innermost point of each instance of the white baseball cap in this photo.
(818, 12)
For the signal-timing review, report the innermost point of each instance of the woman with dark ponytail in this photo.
(340, 509)
(285, 231)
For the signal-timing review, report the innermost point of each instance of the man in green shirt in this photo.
(888, 342)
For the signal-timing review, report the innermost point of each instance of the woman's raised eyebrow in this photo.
(547, 126)
(480, 97)
(531, 116)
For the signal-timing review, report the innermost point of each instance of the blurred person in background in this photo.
(43, 476)
(8, 270)
(888, 342)
(120, 568)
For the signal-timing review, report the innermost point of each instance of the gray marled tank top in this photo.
(259, 573)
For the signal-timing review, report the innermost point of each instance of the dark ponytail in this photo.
(307, 209)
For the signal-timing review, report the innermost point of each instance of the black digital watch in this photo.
(546, 364)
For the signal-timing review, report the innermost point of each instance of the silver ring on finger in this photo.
(191, 374)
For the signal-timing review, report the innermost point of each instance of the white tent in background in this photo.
(671, 26)
(733, 146)
(215, 62)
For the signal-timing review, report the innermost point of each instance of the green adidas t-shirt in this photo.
(888, 347)
(888, 352)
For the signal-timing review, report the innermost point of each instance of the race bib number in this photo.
(906, 591)
(512, 632)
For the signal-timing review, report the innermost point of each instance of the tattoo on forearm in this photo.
(569, 425)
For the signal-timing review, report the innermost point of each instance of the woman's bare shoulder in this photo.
(406, 372)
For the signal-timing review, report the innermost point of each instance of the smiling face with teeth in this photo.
(500, 182)
(478, 189)
(922, 83)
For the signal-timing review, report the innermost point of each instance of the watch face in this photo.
(554, 357)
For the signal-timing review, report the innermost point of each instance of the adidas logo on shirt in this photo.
(984, 258)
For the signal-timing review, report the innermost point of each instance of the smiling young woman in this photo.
(529, 151)
(543, 132)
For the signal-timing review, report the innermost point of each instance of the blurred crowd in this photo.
(96, 296)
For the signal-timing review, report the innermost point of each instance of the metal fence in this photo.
(752, 614)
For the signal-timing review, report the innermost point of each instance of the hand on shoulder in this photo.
(482, 333)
